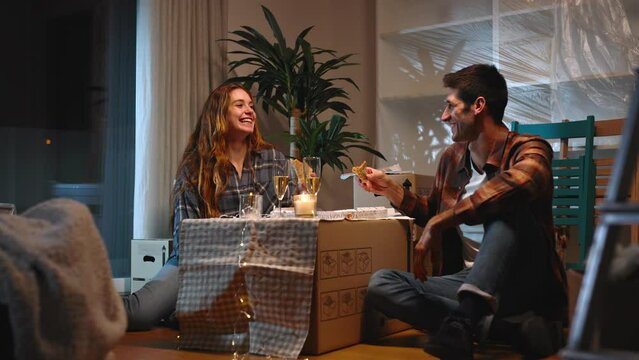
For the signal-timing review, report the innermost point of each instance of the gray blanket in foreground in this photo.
(56, 281)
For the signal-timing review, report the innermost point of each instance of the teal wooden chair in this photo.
(573, 179)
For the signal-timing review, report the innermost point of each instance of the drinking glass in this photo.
(280, 182)
(250, 206)
(312, 173)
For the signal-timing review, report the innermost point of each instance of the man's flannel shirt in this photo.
(518, 171)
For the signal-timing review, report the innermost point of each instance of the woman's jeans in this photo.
(154, 301)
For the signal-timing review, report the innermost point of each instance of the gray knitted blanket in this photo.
(246, 285)
(55, 280)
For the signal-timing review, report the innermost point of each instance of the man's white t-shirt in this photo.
(472, 235)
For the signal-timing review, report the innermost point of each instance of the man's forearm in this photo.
(395, 194)
(444, 220)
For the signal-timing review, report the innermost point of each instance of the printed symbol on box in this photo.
(328, 264)
(329, 306)
(347, 302)
(347, 262)
(364, 260)
(361, 294)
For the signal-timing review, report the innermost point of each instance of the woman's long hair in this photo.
(205, 161)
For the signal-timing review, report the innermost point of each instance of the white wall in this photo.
(344, 26)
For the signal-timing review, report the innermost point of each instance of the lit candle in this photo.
(305, 205)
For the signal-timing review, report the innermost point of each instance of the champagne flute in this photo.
(280, 181)
(312, 173)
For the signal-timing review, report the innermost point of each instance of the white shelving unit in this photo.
(420, 41)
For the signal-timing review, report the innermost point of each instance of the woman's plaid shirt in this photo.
(257, 176)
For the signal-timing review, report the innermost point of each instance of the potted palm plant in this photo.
(296, 82)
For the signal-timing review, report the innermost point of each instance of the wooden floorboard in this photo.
(161, 344)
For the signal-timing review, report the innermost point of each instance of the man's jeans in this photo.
(509, 272)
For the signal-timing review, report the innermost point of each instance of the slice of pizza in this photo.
(299, 170)
(360, 170)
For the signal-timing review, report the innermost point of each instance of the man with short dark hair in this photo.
(490, 214)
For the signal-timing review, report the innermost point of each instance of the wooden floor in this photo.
(161, 344)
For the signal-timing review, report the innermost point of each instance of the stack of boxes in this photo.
(147, 258)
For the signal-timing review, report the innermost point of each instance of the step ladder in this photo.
(583, 342)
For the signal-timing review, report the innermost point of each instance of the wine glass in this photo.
(280, 181)
(312, 173)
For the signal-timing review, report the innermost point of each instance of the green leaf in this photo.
(275, 27)
(300, 39)
(368, 149)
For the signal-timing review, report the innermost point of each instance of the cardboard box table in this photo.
(348, 253)
(345, 255)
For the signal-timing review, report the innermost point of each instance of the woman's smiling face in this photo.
(240, 114)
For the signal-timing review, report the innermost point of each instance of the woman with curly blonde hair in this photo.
(225, 157)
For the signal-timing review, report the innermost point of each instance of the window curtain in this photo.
(119, 141)
(178, 62)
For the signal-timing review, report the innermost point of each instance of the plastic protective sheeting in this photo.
(562, 59)
(596, 51)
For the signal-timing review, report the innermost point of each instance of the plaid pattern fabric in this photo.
(257, 176)
(242, 280)
(519, 174)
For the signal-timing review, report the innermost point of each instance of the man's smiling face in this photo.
(460, 117)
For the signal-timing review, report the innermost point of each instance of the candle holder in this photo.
(305, 205)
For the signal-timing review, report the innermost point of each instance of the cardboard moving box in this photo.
(147, 258)
(348, 253)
